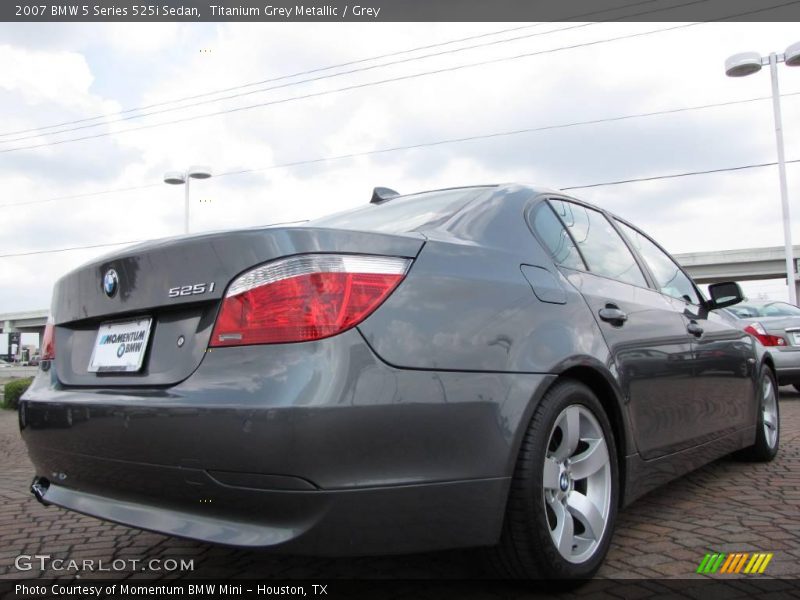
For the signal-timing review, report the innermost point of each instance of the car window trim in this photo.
(529, 218)
(634, 255)
(543, 199)
(700, 297)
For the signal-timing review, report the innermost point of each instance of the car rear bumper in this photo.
(316, 448)
(787, 365)
(386, 520)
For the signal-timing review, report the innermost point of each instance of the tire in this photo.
(768, 423)
(540, 508)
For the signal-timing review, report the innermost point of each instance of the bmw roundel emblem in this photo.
(110, 283)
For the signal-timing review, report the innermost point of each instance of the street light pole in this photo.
(186, 206)
(747, 63)
(185, 178)
(787, 224)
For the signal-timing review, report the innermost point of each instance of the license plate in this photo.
(120, 347)
(795, 338)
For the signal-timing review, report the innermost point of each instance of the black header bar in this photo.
(367, 11)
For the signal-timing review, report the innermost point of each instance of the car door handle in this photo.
(694, 329)
(612, 314)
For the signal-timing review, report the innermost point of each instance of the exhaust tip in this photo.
(39, 488)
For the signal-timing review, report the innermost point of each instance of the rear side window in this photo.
(553, 235)
(669, 278)
(604, 251)
(775, 309)
(407, 213)
(742, 312)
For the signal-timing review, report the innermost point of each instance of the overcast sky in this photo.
(56, 73)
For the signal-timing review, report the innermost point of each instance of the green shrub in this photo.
(13, 390)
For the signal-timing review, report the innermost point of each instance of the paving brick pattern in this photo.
(725, 507)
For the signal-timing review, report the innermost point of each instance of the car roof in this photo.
(534, 189)
(509, 197)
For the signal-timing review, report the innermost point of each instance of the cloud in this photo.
(67, 72)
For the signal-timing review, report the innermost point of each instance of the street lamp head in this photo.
(199, 172)
(743, 64)
(793, 55)
(174, 177)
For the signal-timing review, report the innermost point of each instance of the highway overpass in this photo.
(736, 265)
(30, 321)
(749, 264)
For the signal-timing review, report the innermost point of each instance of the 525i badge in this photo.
(191, 290)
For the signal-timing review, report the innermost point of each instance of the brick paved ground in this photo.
(726, 506)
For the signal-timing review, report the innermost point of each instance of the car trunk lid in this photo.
(786, 327)
(177, 283)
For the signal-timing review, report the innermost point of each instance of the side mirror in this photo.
(725, 294)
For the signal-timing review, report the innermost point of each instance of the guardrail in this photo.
(14, 372)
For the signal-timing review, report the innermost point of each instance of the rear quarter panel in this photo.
(466, 305)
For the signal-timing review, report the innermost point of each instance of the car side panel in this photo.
(725, 370)
(646, 475)
(469, 308)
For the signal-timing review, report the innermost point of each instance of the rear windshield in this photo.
(774, 309)
(407, 213)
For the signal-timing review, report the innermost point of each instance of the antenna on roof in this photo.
(380, 194)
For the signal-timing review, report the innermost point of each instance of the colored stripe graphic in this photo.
(764, 564)
(735, 562)
(741, 562)
(711, 563)
(718, 563)
(732, 560)
(703, 563)
(752, 563)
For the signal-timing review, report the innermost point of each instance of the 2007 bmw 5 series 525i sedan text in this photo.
(498, 366)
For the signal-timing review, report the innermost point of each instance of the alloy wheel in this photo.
(769, 408)
(577, 484)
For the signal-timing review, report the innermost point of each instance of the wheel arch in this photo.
(602, 384)
(611, 401)
(767, 360)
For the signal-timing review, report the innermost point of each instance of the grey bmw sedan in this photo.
(499, 366)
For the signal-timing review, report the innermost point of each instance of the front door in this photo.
(724, 363)
(722, 356)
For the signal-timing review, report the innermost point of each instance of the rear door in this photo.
(644, 331)
(722, 358)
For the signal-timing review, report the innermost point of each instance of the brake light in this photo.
(305, 297)
(49, 341)
(757, 330)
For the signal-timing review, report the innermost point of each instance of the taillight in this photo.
(49, 341)
(757, 330)
(305, 297)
